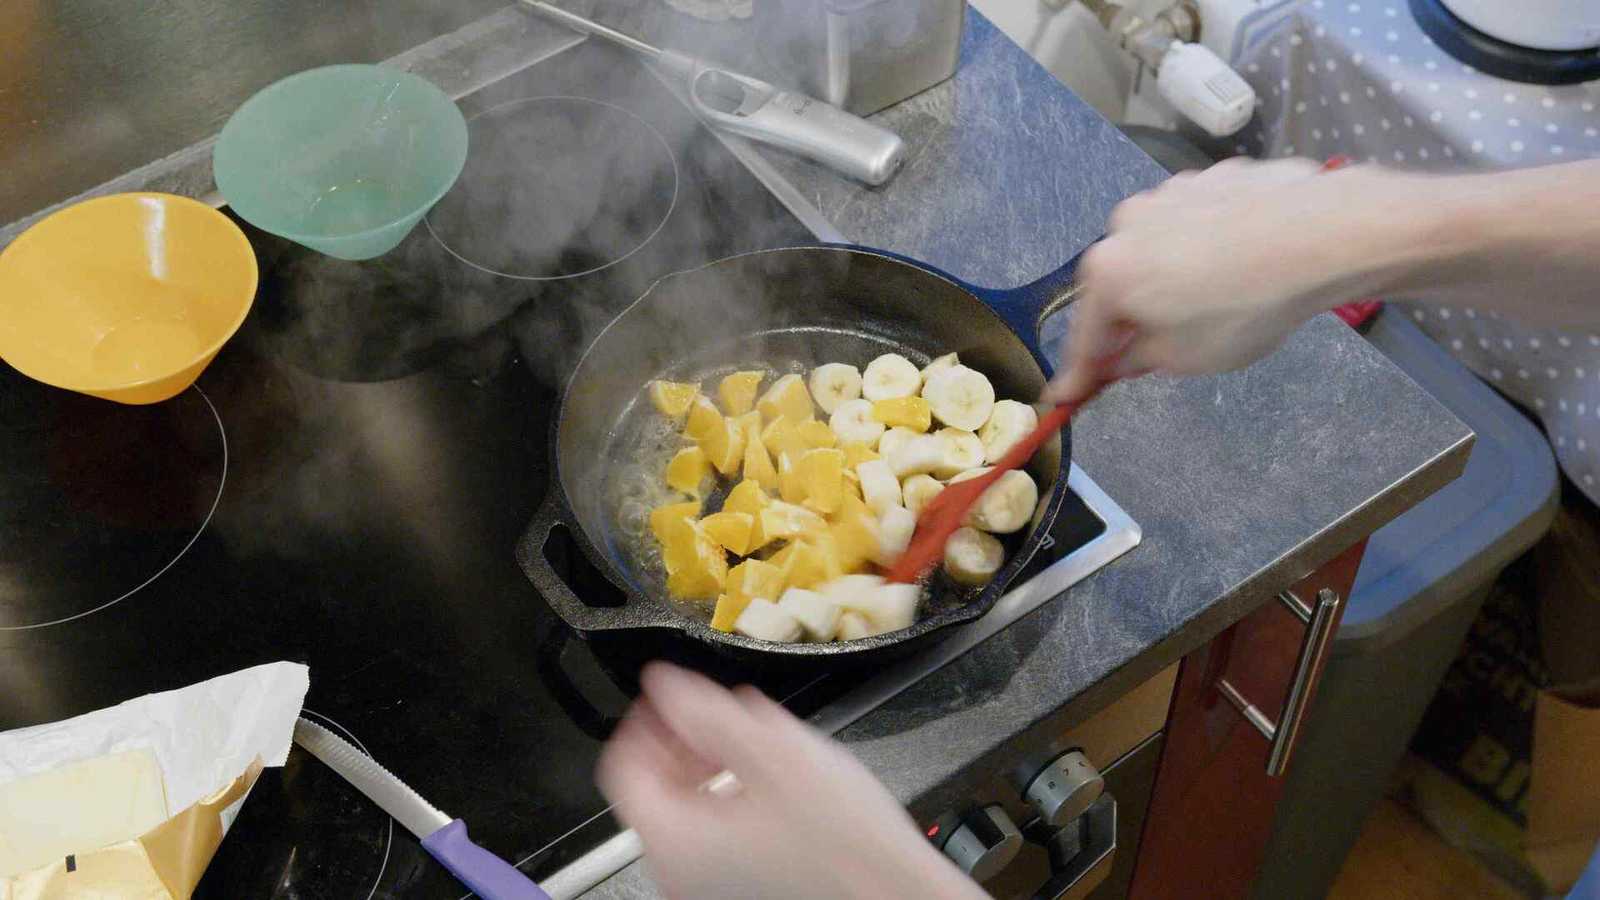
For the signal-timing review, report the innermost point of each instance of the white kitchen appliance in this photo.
(1533, 41)
(1535, 24)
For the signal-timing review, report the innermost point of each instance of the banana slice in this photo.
(918, 491)
(852, 420)
(939, 364)
(893, 440)
(972, 557)
(1008, 423)
(962, 451)
(895, 527)
(960, 397)
(879, 488)
(886, 607)
(923, 453)
(834, 383)
(1006, 506)
(852, 626)
(847, 590)
(766, 621)
(890, 375)
(818, 616)
(890, 607)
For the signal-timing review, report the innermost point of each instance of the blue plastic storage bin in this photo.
(1421, 583)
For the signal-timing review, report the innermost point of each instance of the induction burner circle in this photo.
(557, 187)
(99, 499)
(304, 832)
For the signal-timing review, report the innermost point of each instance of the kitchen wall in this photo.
(92, 89)
(1068, 41)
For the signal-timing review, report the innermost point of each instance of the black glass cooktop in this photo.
(347, 483)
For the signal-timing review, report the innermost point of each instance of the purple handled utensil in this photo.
(489, 876)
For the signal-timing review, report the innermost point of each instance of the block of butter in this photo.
(78, 808)
(131, 801)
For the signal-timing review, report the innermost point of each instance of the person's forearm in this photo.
(1212, 271)
(1523, 243)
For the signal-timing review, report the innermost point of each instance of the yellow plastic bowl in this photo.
(126, 297)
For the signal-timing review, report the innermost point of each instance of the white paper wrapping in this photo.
(203, 735)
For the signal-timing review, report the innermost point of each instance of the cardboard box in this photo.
(1564, 796)
(1510, 747)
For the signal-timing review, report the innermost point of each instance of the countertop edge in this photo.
(1249, 595)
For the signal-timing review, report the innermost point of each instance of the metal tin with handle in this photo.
(862, 55)
(1320, 629)
(754, 109)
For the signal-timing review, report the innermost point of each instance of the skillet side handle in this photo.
(1025, 308)
(587, 713)
(553, 513)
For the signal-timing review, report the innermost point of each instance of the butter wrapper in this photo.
(211, 741)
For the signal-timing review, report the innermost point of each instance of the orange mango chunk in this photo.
(856, 453)
(730, 530)
(816, 434)
(687, 469)
(672, 398)
(704, 420)
(746, 497)
(787, 397)
(662, 516)
(822, 473)
(727, 612)
(738, 392)
(725, 447)
(904, 412)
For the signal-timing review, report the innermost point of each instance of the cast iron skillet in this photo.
(796, 307)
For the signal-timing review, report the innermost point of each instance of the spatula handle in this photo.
(489, 876)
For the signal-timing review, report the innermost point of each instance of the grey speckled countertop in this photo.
(1243, 483)
(1008, 174)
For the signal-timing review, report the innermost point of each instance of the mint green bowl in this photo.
(343, 159)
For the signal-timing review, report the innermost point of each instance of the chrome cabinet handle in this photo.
(1319, 637)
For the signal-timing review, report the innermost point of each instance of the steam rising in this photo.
(581, 184)
(556, 191)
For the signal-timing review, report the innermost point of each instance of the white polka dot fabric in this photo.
(1553, 374)
(1360, 78)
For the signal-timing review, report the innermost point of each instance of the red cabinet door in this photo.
(1214, 801)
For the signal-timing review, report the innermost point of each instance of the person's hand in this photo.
(1212, 270)
(807, 819)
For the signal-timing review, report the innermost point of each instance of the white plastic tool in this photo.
(761, 112)
(1204, 89)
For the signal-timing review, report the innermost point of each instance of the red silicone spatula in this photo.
(943, 514)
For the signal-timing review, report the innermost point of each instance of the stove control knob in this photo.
(1064, 788)
(984, 842)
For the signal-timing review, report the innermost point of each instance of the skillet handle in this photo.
(541, 540)
(586, 712)
(1025, 308)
